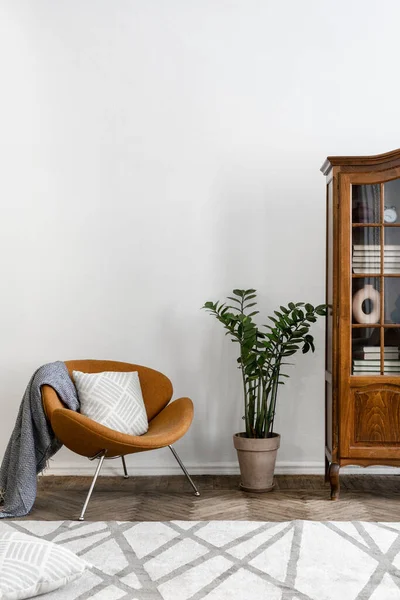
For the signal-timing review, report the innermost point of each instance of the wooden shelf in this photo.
(363, 275)
(371, 325)
(375, 224)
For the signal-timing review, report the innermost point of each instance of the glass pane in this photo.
(366, 203)
(366, 351)
(366, 250)
(329, 276)
(391, 354)
(366, 300)
(391, 250)
(392, 300)
(392, 201)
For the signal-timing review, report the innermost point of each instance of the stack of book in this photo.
(367, 361)
(367, 258)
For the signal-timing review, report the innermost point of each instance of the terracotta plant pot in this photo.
(257, 459)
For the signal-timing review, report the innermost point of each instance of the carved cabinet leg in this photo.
(334, 481)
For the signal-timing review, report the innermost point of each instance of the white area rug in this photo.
(221, 560)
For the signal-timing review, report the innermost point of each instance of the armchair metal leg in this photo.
(182, 466)
(125, 469)
(98, 468)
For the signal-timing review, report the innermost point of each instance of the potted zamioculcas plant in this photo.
(263, 354)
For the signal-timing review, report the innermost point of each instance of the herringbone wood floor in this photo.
(363, 497)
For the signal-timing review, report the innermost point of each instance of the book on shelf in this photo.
(367, 252)
(374, 247)
(364, 374)
(371, 365)
(377, 363)
(368, 349)
(375, 370)
(374, 270)
(377, 265)
(376, 259)
(372, 357)
(357, 372)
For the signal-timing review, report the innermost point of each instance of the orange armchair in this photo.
(168, 422)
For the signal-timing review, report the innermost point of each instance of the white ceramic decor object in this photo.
(368, 292)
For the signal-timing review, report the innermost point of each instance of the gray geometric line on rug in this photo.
(21, 529)
(207, 589)
(386, 526)
(385, 560)
(106, 529)
(288, 590)
(79, 535)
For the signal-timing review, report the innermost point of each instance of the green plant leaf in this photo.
(234, 299)
(250, 305)
(208, 305)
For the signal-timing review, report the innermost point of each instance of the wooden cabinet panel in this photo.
(377, 415)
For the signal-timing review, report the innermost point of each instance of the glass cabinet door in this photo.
(376, 279)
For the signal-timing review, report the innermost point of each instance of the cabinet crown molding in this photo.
(388, 159)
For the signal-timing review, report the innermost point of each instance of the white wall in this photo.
(155, 155)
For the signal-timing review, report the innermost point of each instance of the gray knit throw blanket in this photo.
(33, 441)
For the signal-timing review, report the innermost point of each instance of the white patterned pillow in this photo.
(113, 399)
(30, 566)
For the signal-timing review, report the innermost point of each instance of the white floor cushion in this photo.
(30, 566)
(113, 399)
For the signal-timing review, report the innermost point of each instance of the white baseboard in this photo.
(113, 468)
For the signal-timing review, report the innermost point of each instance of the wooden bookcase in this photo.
(362, 383)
